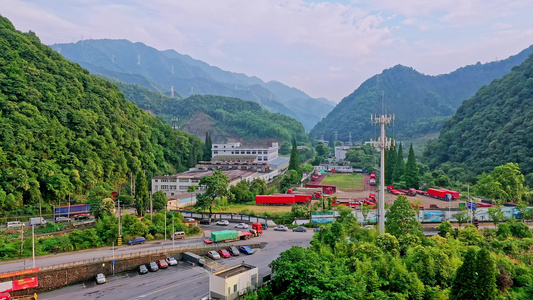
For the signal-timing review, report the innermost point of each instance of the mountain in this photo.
(225, 117)
(139, 64)
(64, 131)
(492, 128)
(421, 103)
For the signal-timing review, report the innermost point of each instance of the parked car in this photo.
(100, 278)
(241, 225)
(142, 269)
(153, 266)
(281, 228)
(223, 223)
(190, 220)
(171, 261)
(82, 217)
(213, 254)
(162, 264)
(63, 220)
(234, 251)
(205, 221)
(246, 249)
(15, 224)
(224, 253)
(300, 229)
(137, 240)
(179, 235)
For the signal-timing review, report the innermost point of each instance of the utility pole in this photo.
(381, 145)
(119, 228)
(165, 221)
(152, 209)
(33, 241)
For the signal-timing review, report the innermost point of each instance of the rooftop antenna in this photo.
(336, 135)
(381, 145)
(172, 91)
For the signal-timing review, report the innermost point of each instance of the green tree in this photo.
(141, 193)
(216, 186)
(461, 216)
(411, 175)
(207, 147)
(401, 219)
(294, 163)
(390, 162)
(321, 149)
(462, 287)
(399, 166)
(496, 213)
(444, 228)
(159, 200)
(258, 186)
(505, 183)
(240, 191)
(485, 272)
(331, 143)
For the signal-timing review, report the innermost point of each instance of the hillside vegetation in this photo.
(228, 117)
(420, 102)
(63, 131)
(492, 128)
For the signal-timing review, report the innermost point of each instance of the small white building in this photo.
(340, 152)
(231, 282)
(262, 154)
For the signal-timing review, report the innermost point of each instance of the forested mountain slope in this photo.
(492, 128)
(63, 131)
(226, 118)
(420, 102)
(160, 70)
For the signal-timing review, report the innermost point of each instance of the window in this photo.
(234, 288)
(182, 188)
(247, 152)
(215, 152)
(156, 180)
(253, 152)
(172, 180)
(184, 179)
(172, 187)
(164, 187)
(195, 180)
(156, 187)
(215, 146)
(164, 180)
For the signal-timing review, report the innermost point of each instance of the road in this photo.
(183, 281)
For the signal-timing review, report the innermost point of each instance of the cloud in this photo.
(300, 43)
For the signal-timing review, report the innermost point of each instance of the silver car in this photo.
(100, 278)
(281, 228)
(171, 261)
(223, 223)
(241, 225)
(213, 254)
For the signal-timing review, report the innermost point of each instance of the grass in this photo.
(345, 181)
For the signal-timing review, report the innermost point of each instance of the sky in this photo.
(324, 48)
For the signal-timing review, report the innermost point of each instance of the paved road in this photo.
(183, 281)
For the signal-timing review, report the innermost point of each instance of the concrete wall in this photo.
(57, 276)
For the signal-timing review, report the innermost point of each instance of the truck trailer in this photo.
(443, 194)
(70, 210)
(225, 236)
(279, 199)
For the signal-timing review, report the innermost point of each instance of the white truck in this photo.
(37, 221)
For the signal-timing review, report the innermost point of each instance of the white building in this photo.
(229, 150)
(340, 152)
(229, 283)
(178, 183)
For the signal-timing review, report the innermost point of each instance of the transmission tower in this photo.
(174, 122)
(172, 91)
(381, 145)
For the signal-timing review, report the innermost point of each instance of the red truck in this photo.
(443, 194)
(279, 199)
(326, 189)
(225, 236)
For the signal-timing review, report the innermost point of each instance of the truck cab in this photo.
(258, 227)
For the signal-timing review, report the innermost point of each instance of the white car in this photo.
(171, 261)
(281, 228)
(223, 223)
(100, 279)
(241, 225)
(213, 254)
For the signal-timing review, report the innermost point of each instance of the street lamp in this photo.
(208, 282)
(173, 230)
(165, 221)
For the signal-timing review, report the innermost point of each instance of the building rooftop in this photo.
(278, 161)
(235, 270)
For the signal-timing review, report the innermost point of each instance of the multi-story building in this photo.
(232, 150)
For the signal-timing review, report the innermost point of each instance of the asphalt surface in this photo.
(183, 281)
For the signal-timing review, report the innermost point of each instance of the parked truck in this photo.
(443, 194)
(70, 210)
(279, 199)
(372, 181)
(225, 236)
(193, 258)
(37, 221)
